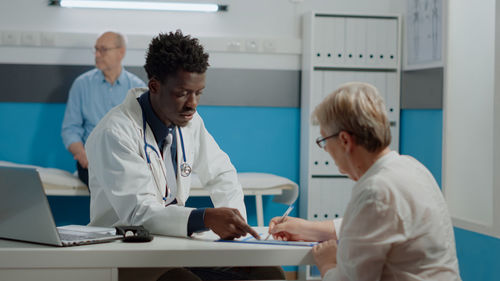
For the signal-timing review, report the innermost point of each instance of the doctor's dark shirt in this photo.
(160, 131)
(90, 98)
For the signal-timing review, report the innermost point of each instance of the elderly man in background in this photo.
(94, 93)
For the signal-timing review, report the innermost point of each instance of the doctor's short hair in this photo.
(170, 52)
(358, 109)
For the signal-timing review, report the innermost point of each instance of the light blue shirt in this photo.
(90, 98)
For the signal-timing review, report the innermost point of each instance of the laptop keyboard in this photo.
(72, 238)
(86, 236)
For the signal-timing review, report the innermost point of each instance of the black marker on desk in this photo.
(287, 212)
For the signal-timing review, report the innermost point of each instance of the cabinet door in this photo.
(336, 193)
(328, 197)
(313, 200)
(51, 274)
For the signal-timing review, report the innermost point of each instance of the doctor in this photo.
(143, 153)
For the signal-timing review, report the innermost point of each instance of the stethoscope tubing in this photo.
(146, 145)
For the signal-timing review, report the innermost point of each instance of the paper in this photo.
(262, 230)
(270, 242)
(250, 239)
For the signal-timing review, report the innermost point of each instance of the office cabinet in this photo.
(340, 48)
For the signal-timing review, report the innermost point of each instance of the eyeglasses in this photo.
(103, 50)
(321, 142)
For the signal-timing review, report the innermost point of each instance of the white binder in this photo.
(321, 25)
(338, 36)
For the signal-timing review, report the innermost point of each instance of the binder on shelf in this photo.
(391, 43)
(329, 41)
(350, 45)
(320, 46)
(338, 44)
(360, 41)
(355, 41)
(372, 42)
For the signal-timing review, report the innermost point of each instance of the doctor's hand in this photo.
(78, 151)
(227, 223)
(325, 255)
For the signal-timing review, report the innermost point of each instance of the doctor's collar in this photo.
(160, 130)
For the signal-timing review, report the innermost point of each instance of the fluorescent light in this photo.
(140, 5)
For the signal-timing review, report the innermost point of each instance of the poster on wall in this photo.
(424, 34)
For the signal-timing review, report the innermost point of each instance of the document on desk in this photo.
(211, 236)
(250, 239)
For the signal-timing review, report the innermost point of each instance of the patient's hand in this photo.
(289, 229)
(325, 255)
(78, 151)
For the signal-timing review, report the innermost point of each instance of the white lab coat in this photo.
(123, 189)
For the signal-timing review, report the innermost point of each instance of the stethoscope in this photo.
(185, 167)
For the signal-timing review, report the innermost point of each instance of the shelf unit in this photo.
(339, 48)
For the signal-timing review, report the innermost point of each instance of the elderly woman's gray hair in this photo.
(358, 109)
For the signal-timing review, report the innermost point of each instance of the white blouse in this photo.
(396, 226)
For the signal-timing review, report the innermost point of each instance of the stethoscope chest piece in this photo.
(185, 169)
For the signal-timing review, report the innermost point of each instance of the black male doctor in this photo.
(145, 150)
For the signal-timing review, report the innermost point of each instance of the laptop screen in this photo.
(24, 209)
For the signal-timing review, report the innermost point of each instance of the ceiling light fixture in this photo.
(139, 5)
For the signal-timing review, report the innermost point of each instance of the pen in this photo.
(287, 212)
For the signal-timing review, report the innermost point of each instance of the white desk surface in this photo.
(161, 252)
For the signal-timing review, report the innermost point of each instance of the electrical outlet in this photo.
(269, 46)
(30, 38)
(252, 45)
(234, 46)
(10, 38)
(47, 39)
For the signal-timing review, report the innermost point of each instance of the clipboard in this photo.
(251, 240)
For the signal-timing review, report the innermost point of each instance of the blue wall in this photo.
(257, 139)
(421, 137)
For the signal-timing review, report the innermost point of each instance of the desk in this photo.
(25, 261)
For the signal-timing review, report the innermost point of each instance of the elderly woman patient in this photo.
(396, 224)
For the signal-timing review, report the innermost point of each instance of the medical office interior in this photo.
(438, 77)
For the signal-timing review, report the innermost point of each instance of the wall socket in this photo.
(252, 45)
(10, 38)
(47, 39)
(234, 46)
(30, 38)
(269, 46)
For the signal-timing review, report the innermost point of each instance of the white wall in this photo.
(278, 20)
(471, 158)
(256, 18)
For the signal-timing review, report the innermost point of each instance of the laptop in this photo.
(25, 213)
